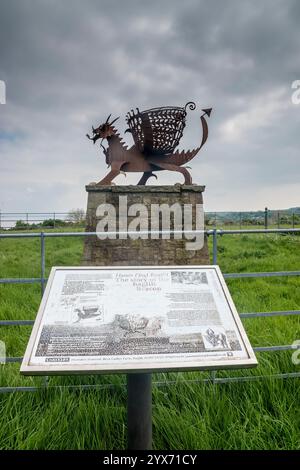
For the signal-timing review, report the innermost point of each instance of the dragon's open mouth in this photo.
(94, 138)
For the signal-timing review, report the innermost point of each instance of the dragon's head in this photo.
(103, 131)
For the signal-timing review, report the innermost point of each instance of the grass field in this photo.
(264, 414)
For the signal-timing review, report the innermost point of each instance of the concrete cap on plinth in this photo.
(176, 188)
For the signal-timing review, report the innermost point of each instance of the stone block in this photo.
(114, 252)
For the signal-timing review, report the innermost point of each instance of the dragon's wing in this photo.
(180, 158)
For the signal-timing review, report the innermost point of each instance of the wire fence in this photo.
(261, 219)
(266, 218)
(45, 220)
(215, 234)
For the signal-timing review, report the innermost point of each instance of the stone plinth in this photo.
(140, 252)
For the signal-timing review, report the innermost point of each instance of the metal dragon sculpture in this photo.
(156, 133)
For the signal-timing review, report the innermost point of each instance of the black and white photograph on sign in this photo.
(188, 277)
(166, 316)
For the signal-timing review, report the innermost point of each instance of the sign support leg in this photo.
(139, 411)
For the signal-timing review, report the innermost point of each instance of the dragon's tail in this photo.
(177, 158)
(180, 158)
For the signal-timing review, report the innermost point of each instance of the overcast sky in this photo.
(68, 64)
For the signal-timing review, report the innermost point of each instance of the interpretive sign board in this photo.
(136, 319)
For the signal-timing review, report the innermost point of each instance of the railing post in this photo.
(213, 374)
(266, 218)
(53, 219)
(215, 246)
(45, 381)
(293, 218)
(278, 219)
(42, 263)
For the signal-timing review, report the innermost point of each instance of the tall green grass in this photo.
(186, 415)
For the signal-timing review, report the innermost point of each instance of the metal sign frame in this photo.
(27, 368)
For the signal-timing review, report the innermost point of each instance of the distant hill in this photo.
(236, 214)
(295, 210)
(255, 217)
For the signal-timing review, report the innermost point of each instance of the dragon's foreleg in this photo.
(114, 172)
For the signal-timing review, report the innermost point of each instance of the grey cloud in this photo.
(67, 65)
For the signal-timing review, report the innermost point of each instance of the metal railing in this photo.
(214, 233)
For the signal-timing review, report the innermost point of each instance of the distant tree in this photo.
(285, 219)
(76, 216)
(20, 225)
(51, 223)
(210, 220)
